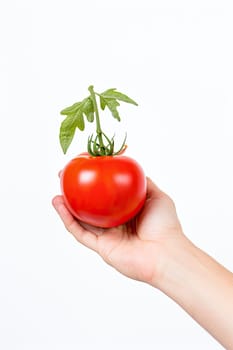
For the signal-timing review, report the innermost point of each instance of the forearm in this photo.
(202, 287)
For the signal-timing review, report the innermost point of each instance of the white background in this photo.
(175, 59)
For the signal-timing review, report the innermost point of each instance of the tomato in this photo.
(103, 191)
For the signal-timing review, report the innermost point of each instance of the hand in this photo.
(135, 248)
(152, 248)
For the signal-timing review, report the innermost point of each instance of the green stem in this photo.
(99, 131)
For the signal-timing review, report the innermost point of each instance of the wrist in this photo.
(172, 261)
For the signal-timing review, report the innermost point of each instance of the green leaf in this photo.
(72, 109)
(67, 131)
(112, 106)
(79, 120)
(102, 102)
(68, 127)
(112, 93)
(88, 109)
(90, 116)
(74, 120)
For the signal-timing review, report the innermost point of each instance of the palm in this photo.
(127, 247)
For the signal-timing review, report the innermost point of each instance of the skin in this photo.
(153, 249)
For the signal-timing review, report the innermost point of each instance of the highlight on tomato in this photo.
(101, 187)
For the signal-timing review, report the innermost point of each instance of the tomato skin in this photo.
(104, 191)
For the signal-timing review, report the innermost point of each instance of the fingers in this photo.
(82, 235)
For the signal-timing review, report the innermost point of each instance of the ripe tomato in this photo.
(103, 191)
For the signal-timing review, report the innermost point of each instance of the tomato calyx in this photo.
(95, 149)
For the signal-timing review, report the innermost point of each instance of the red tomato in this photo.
(103, 191)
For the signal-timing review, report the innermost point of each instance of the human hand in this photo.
(152, 248)
(136, 248)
